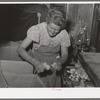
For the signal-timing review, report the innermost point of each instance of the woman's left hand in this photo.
(56, 66)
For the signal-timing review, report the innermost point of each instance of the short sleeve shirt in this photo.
(38, 33)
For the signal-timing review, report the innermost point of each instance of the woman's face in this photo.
(53, 29)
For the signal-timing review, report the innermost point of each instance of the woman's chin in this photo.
(52, 35)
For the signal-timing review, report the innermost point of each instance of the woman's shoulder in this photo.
(64, 33)
(38, 27)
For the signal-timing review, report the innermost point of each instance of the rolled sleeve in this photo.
(65, 41)
(34, 33)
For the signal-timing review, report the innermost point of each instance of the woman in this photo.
(50, 47)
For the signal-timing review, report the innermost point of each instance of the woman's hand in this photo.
(47, 67)
(56, 66)
(38, 65)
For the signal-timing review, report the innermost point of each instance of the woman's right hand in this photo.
(40, 67)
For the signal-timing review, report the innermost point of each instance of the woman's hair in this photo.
(56, 15)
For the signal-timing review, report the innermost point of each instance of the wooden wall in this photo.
(80, 15)
(95, 33)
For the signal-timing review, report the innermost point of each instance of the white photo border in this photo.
(29, 93)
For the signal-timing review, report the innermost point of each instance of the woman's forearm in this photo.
(63, 59)
(23, 53)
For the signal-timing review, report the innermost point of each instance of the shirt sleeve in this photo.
(65, 40)
(34, 33)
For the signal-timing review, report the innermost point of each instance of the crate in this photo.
(18, 74)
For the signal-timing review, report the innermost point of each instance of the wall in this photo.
(15, 19)
(80, 15)
(95, 33)
(10, 18)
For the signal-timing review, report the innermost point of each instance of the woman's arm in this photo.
(62, 60)
(24, 54)
(22, 50)
(64, 54)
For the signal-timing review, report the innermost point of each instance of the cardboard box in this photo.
(19, 74)
(22, 80)
(13, 71)
(9, 53)
(18, 67)
(2, 80)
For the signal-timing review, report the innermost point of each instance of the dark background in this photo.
(16, 19)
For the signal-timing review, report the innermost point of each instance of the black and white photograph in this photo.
(50, 45)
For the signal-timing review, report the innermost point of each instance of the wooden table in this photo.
(92, 68)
